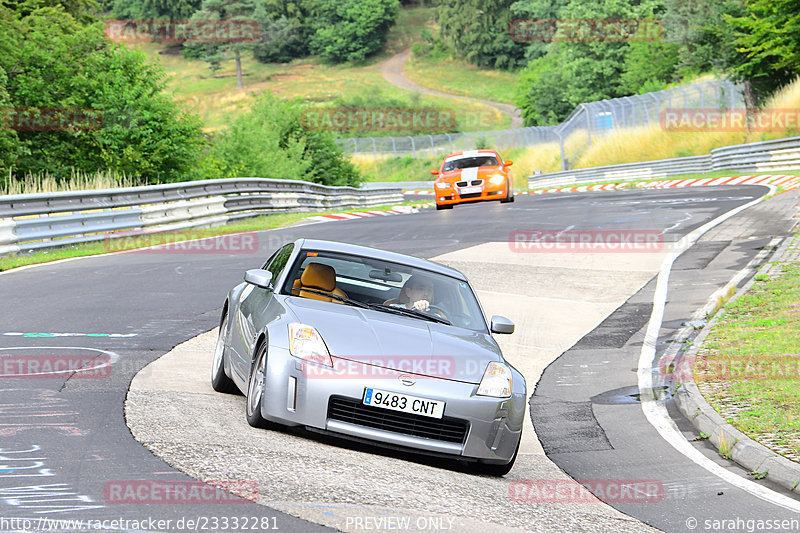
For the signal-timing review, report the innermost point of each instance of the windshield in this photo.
(470, 162)
(388, 288)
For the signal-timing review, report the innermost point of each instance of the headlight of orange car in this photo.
(497, 179)
(442, 185)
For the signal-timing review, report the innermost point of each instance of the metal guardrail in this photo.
(46, 220)
(782, 154)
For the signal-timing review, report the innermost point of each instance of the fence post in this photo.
(374, 148)
(413, 147)
(394, 146)
(450, 140)
(561, 146)
(588, 129)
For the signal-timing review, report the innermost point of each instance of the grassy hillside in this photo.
(215, 97)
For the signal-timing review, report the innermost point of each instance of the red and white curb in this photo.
(396, 210)
(428, 192)
(787, 182)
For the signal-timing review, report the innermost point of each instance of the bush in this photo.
(270, 142)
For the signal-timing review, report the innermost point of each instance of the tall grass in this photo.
(43, 182)
(648, 143)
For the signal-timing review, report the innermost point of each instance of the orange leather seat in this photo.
(318, 277)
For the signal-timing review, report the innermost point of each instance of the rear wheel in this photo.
(256, 388)
(219, 381)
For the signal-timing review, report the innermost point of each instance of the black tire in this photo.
(220, 382)
(499, 470)
(440, 207)
(509, 196)
(256, 387)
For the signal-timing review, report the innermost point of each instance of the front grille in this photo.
(473, 183)
(354, 412)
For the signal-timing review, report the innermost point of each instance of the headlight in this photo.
(497, 179)
(496, 381)
(442, 185)
(305, 342)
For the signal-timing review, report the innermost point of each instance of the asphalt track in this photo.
(64, 440)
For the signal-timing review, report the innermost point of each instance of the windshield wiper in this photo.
(411, 312)
(337, 297)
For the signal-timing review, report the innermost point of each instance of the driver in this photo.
(417, 293)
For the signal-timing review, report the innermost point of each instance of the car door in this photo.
(256, 309)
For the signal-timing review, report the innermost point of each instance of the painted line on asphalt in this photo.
(655, 411)
(51, 335)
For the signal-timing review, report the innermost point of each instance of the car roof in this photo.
(470, 153)
(383, 255)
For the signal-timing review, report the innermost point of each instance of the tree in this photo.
(587, 69)
(767, 38)
(350, 30)
(155, 9)
(649, 65)
(243, 12)
(55, 64)
(269, 141)
(699, 29)
(478, 31)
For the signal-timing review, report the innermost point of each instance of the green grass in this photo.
(749, 365)
(454, 76)
(259, 223)
(216, 98)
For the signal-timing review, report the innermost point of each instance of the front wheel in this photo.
(509, 196)
(256, 388)
(499, 470)
(220, 382)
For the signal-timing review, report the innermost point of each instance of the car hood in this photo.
(408, 345)
(471, 173)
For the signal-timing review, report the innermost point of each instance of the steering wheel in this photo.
(437, 310)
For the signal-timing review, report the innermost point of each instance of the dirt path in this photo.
(392, 70)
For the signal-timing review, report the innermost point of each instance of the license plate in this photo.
(470, 190)
(404, 403)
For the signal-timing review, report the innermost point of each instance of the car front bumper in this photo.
(300, 393)
(489, 191)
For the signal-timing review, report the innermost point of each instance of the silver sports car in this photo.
(373, 346)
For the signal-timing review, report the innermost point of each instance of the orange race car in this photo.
(472, 176)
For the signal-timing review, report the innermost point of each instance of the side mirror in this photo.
(259, 278)
(501, 324)
(508, 163)
(435, 171)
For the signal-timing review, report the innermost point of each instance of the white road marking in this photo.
(656, 412)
